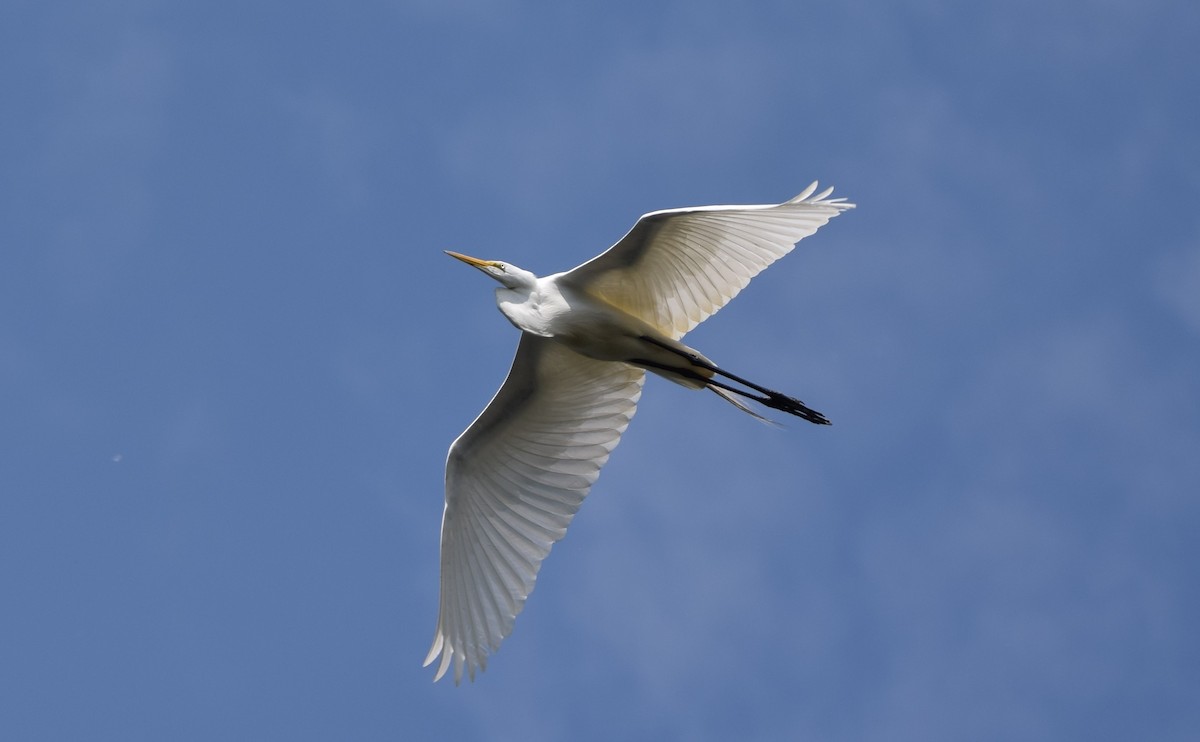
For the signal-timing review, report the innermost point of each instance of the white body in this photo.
(589, 325)
(516, 477)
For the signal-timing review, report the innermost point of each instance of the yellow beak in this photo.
(470, 260)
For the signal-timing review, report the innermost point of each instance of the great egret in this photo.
(517, 475)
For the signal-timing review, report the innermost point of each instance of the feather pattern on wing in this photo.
(514, 480)
(677, 267)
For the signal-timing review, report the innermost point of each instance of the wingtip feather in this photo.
(822, 198)
(434, 650)
(812, 187)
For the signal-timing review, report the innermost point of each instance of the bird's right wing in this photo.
(677, 267)
(514, 480)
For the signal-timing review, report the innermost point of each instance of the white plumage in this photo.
(518, 474)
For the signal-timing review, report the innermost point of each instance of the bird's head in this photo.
(506, 273)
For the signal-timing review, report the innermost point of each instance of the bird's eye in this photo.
(501, 267)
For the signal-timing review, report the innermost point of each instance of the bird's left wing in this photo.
(514, 480)
(675, 268)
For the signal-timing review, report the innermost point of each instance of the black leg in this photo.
(774, 400)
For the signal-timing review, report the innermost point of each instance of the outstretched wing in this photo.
(514, 480)
(675, 268)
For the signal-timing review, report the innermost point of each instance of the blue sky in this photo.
(233, 354)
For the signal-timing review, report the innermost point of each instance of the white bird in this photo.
(516, 477)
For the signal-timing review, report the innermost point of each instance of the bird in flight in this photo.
(518, 474)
